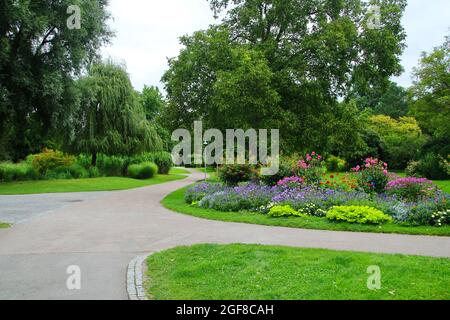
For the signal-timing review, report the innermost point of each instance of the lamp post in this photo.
(205, 143)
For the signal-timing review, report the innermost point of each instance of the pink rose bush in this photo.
(373, 176)
(311, 168)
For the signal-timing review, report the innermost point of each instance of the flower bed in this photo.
(316, 201)
(373, 196)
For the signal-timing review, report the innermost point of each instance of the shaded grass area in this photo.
(175, 201)
(82, 185)
(254, 272)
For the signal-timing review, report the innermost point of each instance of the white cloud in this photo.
(426, 24)
(147, 33)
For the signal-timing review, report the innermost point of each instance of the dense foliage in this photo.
(39, 56)
(51, 164)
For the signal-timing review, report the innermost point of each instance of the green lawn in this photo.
(179, 171)
(444, 185)
(253, 272)
(4, 225)
(82, 185)
(175, 202)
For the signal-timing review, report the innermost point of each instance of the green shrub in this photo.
(232, 175)
(358, 214)
(163, 160)
(64, 173)
(284, 211)
(94, 172)
(134, 171)
(335, 164)
(430, 167)
(51, 160)
(84, 160)
(17, 172)
(148, 170)
(413, 169)
(286, 170)
(144, 170)
(373, 176)
(111, 166)
(445, 164)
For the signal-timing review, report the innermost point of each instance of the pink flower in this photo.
(308, 157)
(385, 165)
(313, 153)
(319, 157)
(302, 164)
(385, 172)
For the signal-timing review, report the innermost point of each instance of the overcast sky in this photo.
(147, 33)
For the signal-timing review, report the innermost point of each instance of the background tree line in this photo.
(315, 70)
(312, 68)
(55, 91)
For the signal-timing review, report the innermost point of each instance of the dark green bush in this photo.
(163, 160)
(72, 172)
(94, 172)
(134, 171)
(285, 170)
(111, 166)
(234, 174)
(148, 170)
(430, 167)
(143, 171)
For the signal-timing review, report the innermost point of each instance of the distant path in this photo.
(104, 231)
(22, 208)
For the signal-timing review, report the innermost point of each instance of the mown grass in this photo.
(254, 272)
(175, 201)
(4, 225)
(179, 171)
(82, 185)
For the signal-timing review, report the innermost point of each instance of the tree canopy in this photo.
(110, 119)
(430, 95)
(285, 64)
(39, 55)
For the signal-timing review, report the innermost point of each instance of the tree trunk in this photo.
(94, 159)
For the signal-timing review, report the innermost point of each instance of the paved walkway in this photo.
(103, 233)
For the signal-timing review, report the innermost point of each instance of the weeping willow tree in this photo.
(110, 119)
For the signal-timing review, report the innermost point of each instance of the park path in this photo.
(102, 234)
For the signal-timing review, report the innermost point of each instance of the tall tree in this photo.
(394, 102)
(430, 96)
(315, 52)
(110, 119)
(152, 101)
(39, 55)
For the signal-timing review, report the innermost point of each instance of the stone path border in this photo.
(135, 278)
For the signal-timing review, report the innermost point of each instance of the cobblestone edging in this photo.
(135, 279)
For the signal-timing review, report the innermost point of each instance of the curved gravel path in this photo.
(101, 234)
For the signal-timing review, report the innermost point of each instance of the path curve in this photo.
(102, 234)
